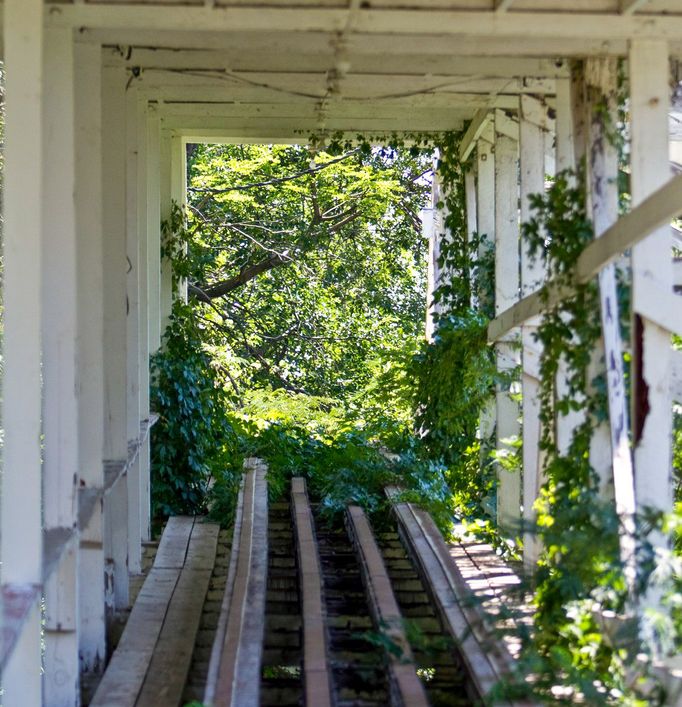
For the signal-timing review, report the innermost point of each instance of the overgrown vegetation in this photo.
(302, 343)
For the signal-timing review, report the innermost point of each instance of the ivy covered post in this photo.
(652, 283)
(506, 294)
(165, 208)
(534, 123)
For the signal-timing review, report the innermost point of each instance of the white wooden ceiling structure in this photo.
(285, 69)
(101, 97)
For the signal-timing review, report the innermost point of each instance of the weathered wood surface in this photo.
(316, 674)
(150, 664)
(405, 687)
(235, 668)
(655, 211)
(466, 595)
(167, 674)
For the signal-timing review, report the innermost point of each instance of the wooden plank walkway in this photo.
(405, 687)
(235, 669)
(150, 664)
(467, 585)
(316, 674)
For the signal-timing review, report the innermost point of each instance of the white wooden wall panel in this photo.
(21, 483)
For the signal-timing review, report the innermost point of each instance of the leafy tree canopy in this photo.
(310, 265)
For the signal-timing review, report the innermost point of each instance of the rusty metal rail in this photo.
(316, 677)
(406, 689)
(235, 667)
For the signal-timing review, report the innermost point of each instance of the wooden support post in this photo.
(133, 289)
(178, 184)
(600, 446)
(61, 463)
(565, 159)
(532, 117)
(166, 285)
(506, 293)
(143, 318)
(21, 537)
(595, 108)
(485, 217)
(651, 269)
(92, 630)
(115, 306)
(154, 226)
(433, 231)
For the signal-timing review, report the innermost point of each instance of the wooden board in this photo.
(405, 687)
(173, 547)
(125, 674)
(316, 677)
(167, 674)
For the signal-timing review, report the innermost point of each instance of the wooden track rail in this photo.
(486, 657)
(235, 668)
(316, 675)
(406, 689)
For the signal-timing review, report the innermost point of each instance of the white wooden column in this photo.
(154, 225)
(179, 189)
(21, 536)
(61, 464)
(166, 285)
(565, 159)
(92, 630)
(115, 306)
(134, 305)
(651, 281)
(506, 294)
(485, 218)
(143, 316)
(533, 124)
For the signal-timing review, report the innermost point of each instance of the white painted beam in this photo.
(61, 460)
(21, 536)
(654, 212)
(457, 23)
(115, 306)
(165, 200)
(154, 225)
(601, 77)
(134, 151)
(505, 211)
(651, 269)
(142, 201)
(88, 197)
(532, 127)
(476, 128)
(314, 56)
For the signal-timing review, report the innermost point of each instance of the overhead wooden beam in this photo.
(314, 56)
(503, 5)
(474, 131)
(654, 212)
(548, 25)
